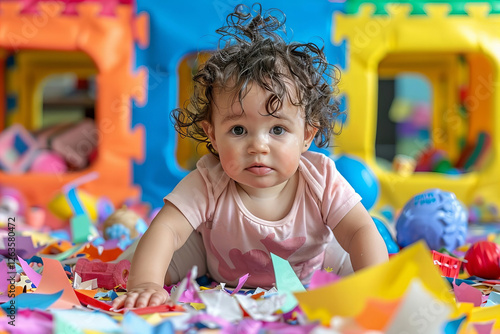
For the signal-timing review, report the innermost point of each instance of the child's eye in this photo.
(238, 130)
(277, 130)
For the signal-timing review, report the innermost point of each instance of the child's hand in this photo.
(142, 295)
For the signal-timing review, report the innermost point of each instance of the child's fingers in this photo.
(140, 299)
(143, 299)
(133, 299)
(157, 299)
(118, 302)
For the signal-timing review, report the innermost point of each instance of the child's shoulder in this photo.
(316, 160)
(210, 169)
(208, 161)
(319, 171)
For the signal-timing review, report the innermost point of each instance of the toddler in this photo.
(258, 103)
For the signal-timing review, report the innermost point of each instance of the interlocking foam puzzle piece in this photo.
(109, 41)
(161, 171)
(401, 39)
(457, 7)
(108, 6)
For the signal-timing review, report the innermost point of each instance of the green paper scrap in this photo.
(287, 281)
(78, 321)
(64, 255)
(81, 228)
(41, 301)
(62, 326)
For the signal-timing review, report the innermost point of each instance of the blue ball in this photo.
(360, 177)
(391, 245)
(435, 216)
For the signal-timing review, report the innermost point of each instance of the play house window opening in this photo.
(188, 150)
(433, 112)
(49, 123)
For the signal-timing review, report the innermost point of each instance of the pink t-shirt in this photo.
(237, 242)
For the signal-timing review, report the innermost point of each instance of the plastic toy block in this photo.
(108, 275)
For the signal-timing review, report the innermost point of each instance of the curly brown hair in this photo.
(251, 51)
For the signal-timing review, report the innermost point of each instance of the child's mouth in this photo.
(259, 170)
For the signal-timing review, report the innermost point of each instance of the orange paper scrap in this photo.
(377, 313)
(53, 280)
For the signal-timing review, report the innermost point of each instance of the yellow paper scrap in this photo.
(198, 306)
(485, 314)
(461, 310)
(348, 296)
(153, 319)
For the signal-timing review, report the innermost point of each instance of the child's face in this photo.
(256, 149)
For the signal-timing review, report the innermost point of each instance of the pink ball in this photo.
(483, 260)
(48, 162)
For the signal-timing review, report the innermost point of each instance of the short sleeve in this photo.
(191, 198)
(336, 196)
(340, 197)
(196, 194)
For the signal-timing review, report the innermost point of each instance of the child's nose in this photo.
(258, 145)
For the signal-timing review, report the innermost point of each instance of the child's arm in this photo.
(358, 235)
(166, 234)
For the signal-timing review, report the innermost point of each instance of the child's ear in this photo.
(309, 134)
(209, 131)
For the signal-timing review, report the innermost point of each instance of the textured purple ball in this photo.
(435, 216)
